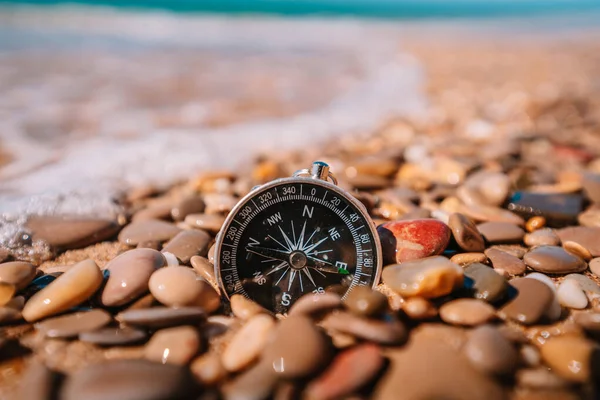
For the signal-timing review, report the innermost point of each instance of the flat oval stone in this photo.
(535, 223)
(469, 312)
(585, 282)
(17, 273)
(147, 230)
(8, 314)
(488, 350)
(429, 277)
(159, 209)
(464, 259)
(585, 236)
(208, 222)
(298, 348)
(348, 372)
(208, 369)
(176, 286)
(488, 187)
(590, 321)
(412, 239)
(419, 308)
(465, 233)
(531, 303)
(501, 232)
(187, 206)
(571, 295)
(187, 244)
(388, 331)
(578, 250)
(569, 357)
(206, 269)
(488, 284)
(159, 317)
(71, 325)
(113, 336)
(595, 266)
(176, 345)
(129, 379)
(129, 275)
(255, 384)
(247, 344)
(70, 232)
(7, 291)
(540, 378)
(244, 308)
(554, 310)
(37, 383)
(73, 287)
(504, 263)
(364, 301)
(542, 237)
(554, 260)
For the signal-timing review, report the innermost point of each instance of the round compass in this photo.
(295, 236)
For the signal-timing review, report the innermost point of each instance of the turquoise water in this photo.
(364, 8)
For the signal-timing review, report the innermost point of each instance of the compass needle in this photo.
(287, 239)
(307, 272)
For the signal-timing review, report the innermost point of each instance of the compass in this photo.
(294, 236)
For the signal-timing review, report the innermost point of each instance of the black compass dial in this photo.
(295, 237)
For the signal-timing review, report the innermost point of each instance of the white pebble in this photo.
(571, 295)
(554, 310)
(171, 259)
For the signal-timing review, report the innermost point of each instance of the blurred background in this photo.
(101, 96)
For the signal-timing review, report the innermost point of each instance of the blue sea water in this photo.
(409, 9)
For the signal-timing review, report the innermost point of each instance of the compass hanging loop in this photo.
(318, 170)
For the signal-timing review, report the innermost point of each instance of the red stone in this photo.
(348, 372)
(412, 239)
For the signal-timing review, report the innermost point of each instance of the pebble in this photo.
(531, 302)
(176, 345)
(427, 368)
(513, 249)
(585, 236)
(348, 372)
(585, 282)
(465, 233)
(487, 188)
(244, 308)
(71, 325)
(571, 295)
(419, 308)
(73, 287)
(248, 343)
(298, 348)
(595, 266)
(7, 291)
(129, 275)
(590, 321)
(364, 301)
(255, 384)
(486, 213)
(206, 269)
(70, 232)
(488, 350)
(578, 250)
(208, 222)
(38, 383)
(469, 312)
(464, 259)
(147, 230)
(569, 357)
(542, 237)
(17, 273)
(187, 244)
(591, 187)
(176, 286)
(158, 209)
(535, 223)
(501, 232)
(113, 336)
(129, 379)
(160, 317)
(530, 355)
(388, 331)
(217, 203)
(504, 263)
(553, 260)
(428, 277)
(554, 310)
(412, 239)
(208, 369)
(187, 206)
(540, 378)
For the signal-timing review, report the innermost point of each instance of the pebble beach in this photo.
(482, 174)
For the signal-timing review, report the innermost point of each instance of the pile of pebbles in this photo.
(489, 224)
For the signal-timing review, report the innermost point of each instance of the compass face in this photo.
(292, 237)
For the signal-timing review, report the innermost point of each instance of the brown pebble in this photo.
(244, 308)
(113, 336)
(488, 284)
(153, 230)
(176, 345)
(535, 223)
(37, 383)
(208, 369)
(504, 263)
(187, 244)
(419, 308)
(388, 331)
(316, 303)
(190, 205)
(465, 233)
(364, 301)
(553, 260)
(540, 378)
(208, 222)
(569, 357)
(463, 259)
(255, 384)
(488, 350)
(7, 291)
(159, 317)
(577, 249)
(206, 269)
(585, 236)
(542, 237)
(71, 325)
(501, 232)
(468, 312)
(176, 286)
(248, 342)
(531, 302)
(17, 273)
(298, 348)
(159, 209)
(70, 232)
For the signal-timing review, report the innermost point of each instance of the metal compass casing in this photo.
(294, 236)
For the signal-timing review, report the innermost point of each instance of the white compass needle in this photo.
(300, 245)
(291, 279)
(307, 273)
(279, 243)
(277, 267)
(287, 239)
(314, 246)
